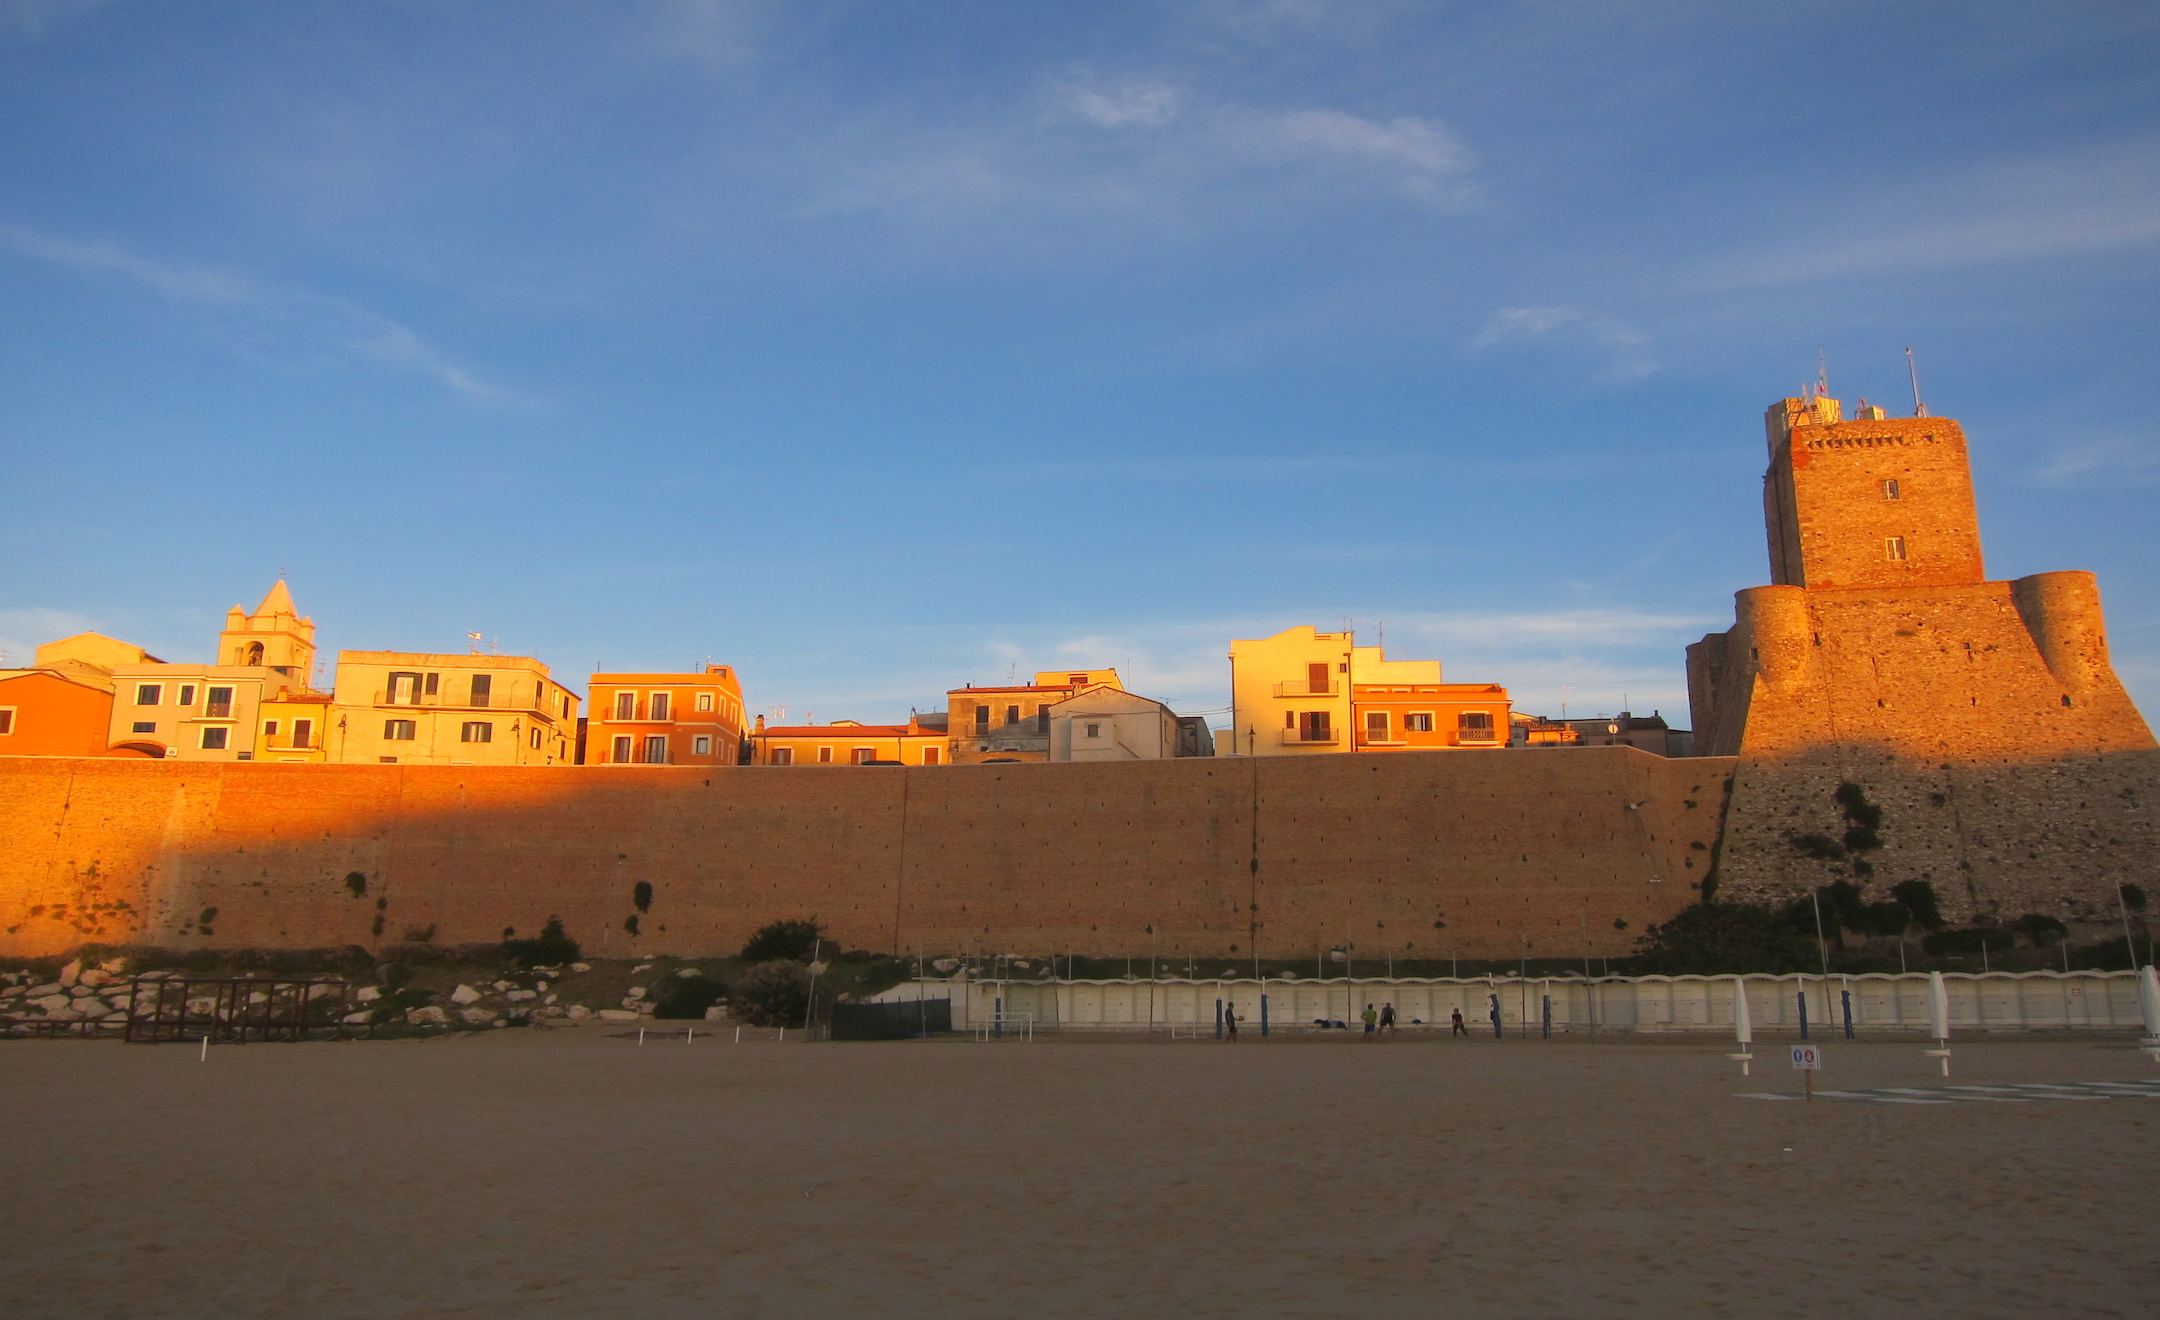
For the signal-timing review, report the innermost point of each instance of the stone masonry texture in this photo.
(1422, 854)
(1982, 717)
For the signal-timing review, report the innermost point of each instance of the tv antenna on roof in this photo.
(475, 639)
(1919, 409)
(1822, 375)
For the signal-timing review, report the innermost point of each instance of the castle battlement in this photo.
(1983, 716)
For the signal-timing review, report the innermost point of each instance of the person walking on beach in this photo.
(1459, 1029)
(1229, 1019)
(1372, 1020)
(1387, 1018)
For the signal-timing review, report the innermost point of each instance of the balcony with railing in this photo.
(1477, 737)
(1310, 737)
(1305, 687)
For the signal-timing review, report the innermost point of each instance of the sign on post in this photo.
(1807, 1059)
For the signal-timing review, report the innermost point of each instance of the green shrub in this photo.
(2133, 897)
(1970, 940)
(641, 896)
(1820, 846)
(689, 997)
(1918, 896)
(783, 939)
(551, 948)
(2040, 928)
(771, 994)
(1887, 919)
(1725, 938)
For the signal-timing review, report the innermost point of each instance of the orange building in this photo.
(47, 712)
(844, 742)
(62, 704)
(1418, 717)
(664, 719)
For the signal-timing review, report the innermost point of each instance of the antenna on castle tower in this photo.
(1919, 409)
(1822, 375)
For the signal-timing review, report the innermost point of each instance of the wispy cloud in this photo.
(1140, 152)
(320, 320)
(1624, 349)
(2091, 200)
(2111, 463)
(1257, 469)
(34, 18)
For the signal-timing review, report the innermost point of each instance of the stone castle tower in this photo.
(1882, 670)
(275, 635)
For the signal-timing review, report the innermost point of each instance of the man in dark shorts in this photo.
(1459, 1029)
(1387, 1017)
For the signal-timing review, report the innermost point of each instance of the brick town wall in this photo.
(2014, 772)
(1550, 847)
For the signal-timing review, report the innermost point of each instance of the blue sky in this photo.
(879, 348)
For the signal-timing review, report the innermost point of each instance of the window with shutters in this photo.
(662, 703)
(476, 731)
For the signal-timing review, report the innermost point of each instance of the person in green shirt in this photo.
(1372, 1022)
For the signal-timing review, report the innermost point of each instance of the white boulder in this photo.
(478, 1017)
(635, 992)
(79, 991)
(505, 985)
(517, 995)
(367, 994)
(48, 988)
(577, 1012)
(428, 1016)
(944, 964)
(71, 973)
(617, 1015)
(356, 1018)
(688, 972)
(716, 1014)
(52, 1003)
(464, 994)
(580, 967)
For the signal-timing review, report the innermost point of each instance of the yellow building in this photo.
(844, 742)
(419, 708)
(213, 712)
(1305, 692)
(665, 719)
(294, 726)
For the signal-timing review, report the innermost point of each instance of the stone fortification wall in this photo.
(2014, 773)
(1424, 854)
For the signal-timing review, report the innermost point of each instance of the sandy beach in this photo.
(575, 1173)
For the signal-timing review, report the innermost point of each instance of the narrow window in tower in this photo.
(1894, 548)
(1889, 489)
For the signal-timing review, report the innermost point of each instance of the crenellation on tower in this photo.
(1881, 655)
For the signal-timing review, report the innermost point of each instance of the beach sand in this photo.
(575, 1173)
